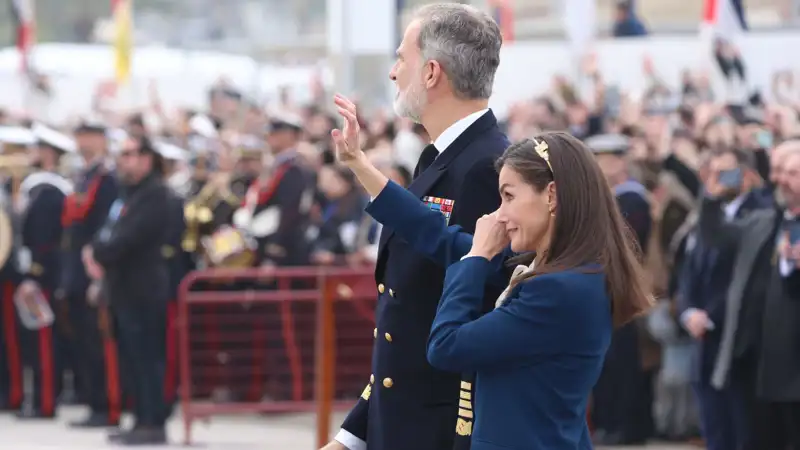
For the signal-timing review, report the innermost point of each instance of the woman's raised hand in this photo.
(346, 140)
(490, 237)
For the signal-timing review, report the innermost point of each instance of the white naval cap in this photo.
(91, 124)
(284, 120)
(604, 144)
(171, 151)
(53, 138)
(16, 135)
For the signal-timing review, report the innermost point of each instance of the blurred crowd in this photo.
(249, 187)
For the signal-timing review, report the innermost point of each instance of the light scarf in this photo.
(520, 273)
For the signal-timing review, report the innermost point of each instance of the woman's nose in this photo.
(501, 217)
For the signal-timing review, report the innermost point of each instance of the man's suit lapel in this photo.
(758, 235)
(425, 181)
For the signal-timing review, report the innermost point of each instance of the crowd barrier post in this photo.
(325, 361)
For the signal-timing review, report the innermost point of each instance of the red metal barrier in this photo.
(274, 340)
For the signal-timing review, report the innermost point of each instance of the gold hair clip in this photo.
(542, 150)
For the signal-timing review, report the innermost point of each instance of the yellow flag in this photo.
(123, 39)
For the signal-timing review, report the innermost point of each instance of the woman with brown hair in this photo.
(540, 351)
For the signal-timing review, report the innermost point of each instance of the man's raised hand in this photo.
(346, 140)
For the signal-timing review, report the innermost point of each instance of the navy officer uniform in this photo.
(285, 196)
(85, 212)
(277, 209)
(41, 199)
(13, 140)
(407, 403)
(11, 385)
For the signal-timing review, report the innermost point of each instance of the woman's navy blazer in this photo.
(537, 356)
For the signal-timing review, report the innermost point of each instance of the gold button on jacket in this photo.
(387, 382)
(372, 379)
(388, 337)
(375, 333)
(381, 288)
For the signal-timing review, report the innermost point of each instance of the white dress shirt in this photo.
(455, 130)
(441, 143)
(732, 207)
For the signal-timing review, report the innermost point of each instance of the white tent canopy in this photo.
(182, 77)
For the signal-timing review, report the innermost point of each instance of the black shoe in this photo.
(143, 436)
(116, 434)
(5, 407)
(95, 420)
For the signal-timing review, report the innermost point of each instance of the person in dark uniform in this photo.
(85, 211)
(623, 396)
(275, 213)
(127, 254)
(287, 189)
(14, 141)
(42, 195)
(180, 263)
(407, 403)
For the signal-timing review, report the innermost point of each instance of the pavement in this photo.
(273, 432)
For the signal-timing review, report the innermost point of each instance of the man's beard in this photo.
(788, 201)
(409, 103)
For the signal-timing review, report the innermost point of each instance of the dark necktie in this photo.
(427, 157)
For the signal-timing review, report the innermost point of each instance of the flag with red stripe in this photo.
(503, 13)
(24, 29)
(724, 18)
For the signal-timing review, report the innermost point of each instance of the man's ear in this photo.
(433, 74)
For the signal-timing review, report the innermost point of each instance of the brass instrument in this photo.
(199, 213)
(229, 247)
(13, 167)
(211, 208)
(6, 235)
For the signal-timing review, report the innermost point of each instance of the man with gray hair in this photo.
(444, 74)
